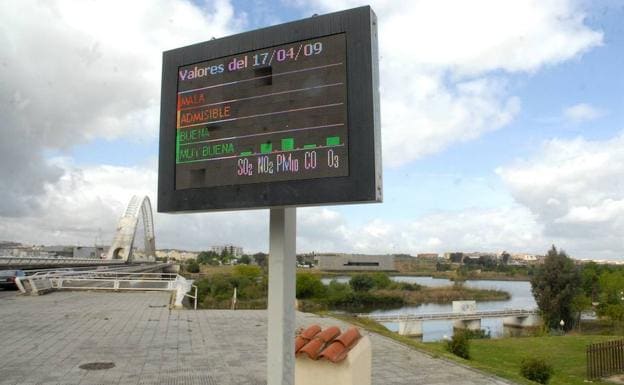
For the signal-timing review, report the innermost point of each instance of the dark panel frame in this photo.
(364, 183)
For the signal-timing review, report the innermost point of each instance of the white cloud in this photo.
(444, 64)
(85, 204)
(582, 112)
(76, 70)
(575, 188)
(92, 70)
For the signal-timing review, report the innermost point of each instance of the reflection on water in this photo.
(521, 298)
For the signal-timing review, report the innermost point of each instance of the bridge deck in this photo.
(450, 316)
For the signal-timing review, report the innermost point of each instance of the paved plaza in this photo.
(45, 340)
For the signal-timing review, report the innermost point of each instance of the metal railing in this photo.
(10, 261)
(44, 281)
(449, 316)
(107, 280)
(194, 297)
(605, 359)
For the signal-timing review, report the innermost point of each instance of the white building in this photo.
(234, 251)
(355, 262)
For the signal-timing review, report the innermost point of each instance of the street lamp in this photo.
(562, 324)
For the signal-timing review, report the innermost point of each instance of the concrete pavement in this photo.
(46, 339)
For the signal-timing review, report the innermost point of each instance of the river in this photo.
(520, 292)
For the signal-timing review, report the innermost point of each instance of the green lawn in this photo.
(502, 356)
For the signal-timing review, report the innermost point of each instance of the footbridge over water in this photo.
(11, 262)
(120, 252)
(411, 324)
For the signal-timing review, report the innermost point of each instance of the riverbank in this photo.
(207, 271)
(451, 275)
(447, 294)
(360, 293)
(502, 357)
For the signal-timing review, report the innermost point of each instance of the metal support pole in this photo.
(281, 312)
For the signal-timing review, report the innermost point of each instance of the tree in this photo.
(611, 287)
(580, 303)
(208, 257)
(309, 286)
(192, 266)
(244, 259)
(555, 284)
(362, 282)
(225, 257)
(590, 277)
(505, 257)
(260, 258)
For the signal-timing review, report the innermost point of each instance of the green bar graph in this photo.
(177, 146)
(309, 146)
(332, 141)
(288, 144)
(266, 148)
(246, 153)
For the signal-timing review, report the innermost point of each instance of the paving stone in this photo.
(52, 335)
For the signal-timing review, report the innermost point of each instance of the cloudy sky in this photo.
(502, 124)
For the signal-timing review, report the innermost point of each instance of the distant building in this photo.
(176, 255)
(10, 245)
(13, 249)
(59, 251)
(355, 262)
(232, 250)
(527, 259)
(455, 257)
(89, 251)
(75, 251)
(427, 256)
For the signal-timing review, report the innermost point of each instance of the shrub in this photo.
(536, 369)
(336, 291)
(459, 345)
(479, 334)
(244, 259)
(221, 287)
(203, 289)
(382, 281)
(247, 271)
(362, 282)
(309, 286)
(405, 286)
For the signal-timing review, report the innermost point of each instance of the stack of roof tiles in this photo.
(329, 344)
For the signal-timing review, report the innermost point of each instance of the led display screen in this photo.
(272, 114)
(281, 116)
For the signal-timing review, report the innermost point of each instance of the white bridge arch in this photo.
(123, 243)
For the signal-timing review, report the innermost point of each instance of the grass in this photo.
(502, 357)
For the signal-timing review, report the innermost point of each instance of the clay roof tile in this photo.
(306, 336)
(328, 343)
(318, 343)
(339, 348)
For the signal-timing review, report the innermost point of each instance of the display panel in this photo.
(273, 114)
(281, 116)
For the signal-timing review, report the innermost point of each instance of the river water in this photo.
(521, 298)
